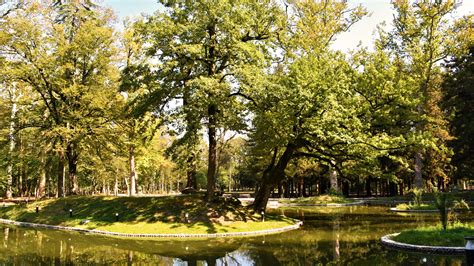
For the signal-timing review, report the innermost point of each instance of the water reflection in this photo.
(334, 236)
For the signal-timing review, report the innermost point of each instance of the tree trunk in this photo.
(212, 163)
(72, 157)
(116, 186)
(333, 179)
(133, 173)
(61, 174)
(367, 187)
(191, 173)
(191, 131)
(418, 170)
(273, 175)
(11, 137)
(42, 179)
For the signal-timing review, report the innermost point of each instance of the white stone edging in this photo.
(116, 234)
(388, 242)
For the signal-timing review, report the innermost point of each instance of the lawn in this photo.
(322, 199)
(413, 207)
(434, 236)
(145, 215)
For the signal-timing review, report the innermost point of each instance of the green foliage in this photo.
(446, 203)
(417, 195)
(458, 101)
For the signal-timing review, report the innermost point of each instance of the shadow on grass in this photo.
(102, 211)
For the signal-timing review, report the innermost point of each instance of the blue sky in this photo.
(361, 32)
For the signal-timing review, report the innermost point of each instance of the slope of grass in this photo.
(434, 236)
(322, 199)
(412, 207)
(164, 215)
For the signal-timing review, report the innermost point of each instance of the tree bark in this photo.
(11, 138)
(212, 163)
(72, 157)
(367, 186)
(191, 173)
(133, 173)
(61, 174)
(116, 186)
(273, 175)
(333, 179)
(418, 170)
(212, 113)
(42, 179)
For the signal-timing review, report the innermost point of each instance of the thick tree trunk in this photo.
(133, 173)
(418, 170)
(367, 186)
(72, 157)
(61, 174)
(333, 179)
(345, 188)
(273, 175)
(212, 163)
(191, 173)
(192, 138)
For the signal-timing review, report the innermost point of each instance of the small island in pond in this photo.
(183, 214)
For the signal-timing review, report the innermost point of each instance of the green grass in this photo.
(434, 236)
(146, 215)
(322, 199)
(412, 207)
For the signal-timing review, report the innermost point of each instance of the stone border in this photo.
(297, 225)
(388, 242)
(397, 210)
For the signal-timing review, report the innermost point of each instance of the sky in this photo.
(363, 31)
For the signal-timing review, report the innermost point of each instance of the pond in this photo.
(338, 236)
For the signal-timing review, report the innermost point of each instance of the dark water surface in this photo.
(330, 236)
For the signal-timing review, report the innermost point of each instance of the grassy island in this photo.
(184, 214)
(413, 207)
(318, 200)
(435, 236)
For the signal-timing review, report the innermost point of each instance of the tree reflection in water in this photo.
(343, 236)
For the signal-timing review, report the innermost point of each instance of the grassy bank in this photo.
(145, 215)
(412, 207)
(318, 200)
(434, 236)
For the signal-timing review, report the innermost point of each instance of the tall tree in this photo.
(423, 37)
(307, 95)
(69, 66)
(459, 100)
(202, 48)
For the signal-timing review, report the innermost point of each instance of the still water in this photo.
(330, 236)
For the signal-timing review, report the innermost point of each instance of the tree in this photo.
(303, 108)
(69, 66)
(203, 48)
(458, 101)
(423, 37)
